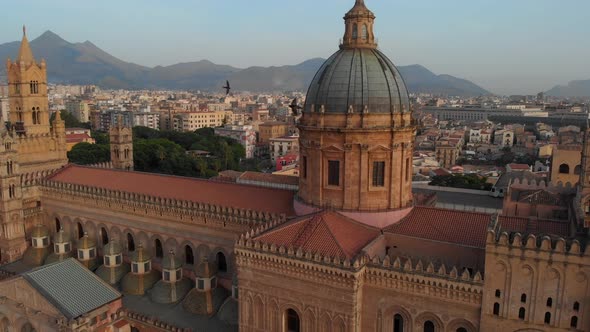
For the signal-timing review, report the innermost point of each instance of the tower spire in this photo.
(25, 54)
(359, 27)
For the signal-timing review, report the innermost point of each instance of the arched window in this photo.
(549, 302)
(189, 257)
(428, 326)
(364, 32)
(576, 306)
(574, 322)
(159, 250)
(523, 298)
(80, 230)
(578, 170)
(355, 31)
(496, 309)
(564, 169)
(130, 242)
(57, 225)
(104, 236)
(292, 322)
(521, 313)
(398, 323)
(498, 293)
(221, 262)
(547, 318)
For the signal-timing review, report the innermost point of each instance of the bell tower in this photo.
(12, 228)
(27, 81)
(121, 137)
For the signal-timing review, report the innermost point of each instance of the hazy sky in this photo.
(507, 46)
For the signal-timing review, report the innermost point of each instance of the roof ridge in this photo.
(308, 230)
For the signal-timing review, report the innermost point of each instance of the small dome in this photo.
(206, 269)
(359, 78)
(61, 237)
(140, 255)
(112, 248)
(360, 9)
(171, 262)
(85, 242)
(40, 231)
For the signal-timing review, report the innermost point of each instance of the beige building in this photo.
(566, 164)
(281, 146)
(447, 152)
(79, 109)
(269, 130)
(191, 121)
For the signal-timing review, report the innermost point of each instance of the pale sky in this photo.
(507, 46)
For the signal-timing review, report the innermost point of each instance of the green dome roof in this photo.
(112, 248)
(85, 242)
(171, 262)
(61, 237)
(140, 255)
(40, 231)
(358, 77)
(205, 269)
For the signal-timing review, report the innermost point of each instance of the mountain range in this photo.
(85, 63)
(573, 89)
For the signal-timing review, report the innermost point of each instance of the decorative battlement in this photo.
(185, 211)
(533, 184)
(555, 245)
(150, 321)
(33, 178)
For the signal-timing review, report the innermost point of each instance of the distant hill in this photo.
(85, 63)
(573, 89)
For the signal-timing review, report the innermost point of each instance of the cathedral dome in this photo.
(361, 78)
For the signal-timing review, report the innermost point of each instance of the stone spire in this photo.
(359, 27)
(25, 54)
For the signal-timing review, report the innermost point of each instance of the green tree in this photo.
(70, 120)
(87, 154)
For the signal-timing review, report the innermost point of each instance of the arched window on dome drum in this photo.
(57, 225)
(364, 32)
(549, 302)
(292, 321)
(547, 318)
(355, 31)
(498, 293)
(221, 262)
(158, 247)
(429, 326)
(189, 257)
(130, 242)
(521, 313)
(398, 323)
(80, 230)
(104, 236)
(523, 298)
(576, 306)
(564, 169)
(574, 322)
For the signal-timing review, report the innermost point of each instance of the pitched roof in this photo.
(451, 226)
(328, 233)
(183, 188)
(534, 226)
(24, 53)
(71, 288)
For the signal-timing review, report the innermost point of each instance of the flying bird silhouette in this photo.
(295, 107)
(227, 88)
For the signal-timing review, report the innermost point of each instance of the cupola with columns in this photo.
(172, 287)
(62, 247)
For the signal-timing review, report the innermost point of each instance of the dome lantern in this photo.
(359, 27)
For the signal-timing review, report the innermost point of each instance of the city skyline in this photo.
(520, 47)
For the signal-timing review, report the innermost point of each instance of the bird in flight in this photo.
(295, 107)
(227, 88)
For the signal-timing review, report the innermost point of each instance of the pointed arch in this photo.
(189, 256)
(158, 249)
(259, 313)
(80, 229)
(104, 236)
(130, 242)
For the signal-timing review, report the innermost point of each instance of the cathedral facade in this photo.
(349, 251)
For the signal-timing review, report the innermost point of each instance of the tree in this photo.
(70, 120)
(88, 154)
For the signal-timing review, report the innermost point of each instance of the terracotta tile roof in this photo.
(328, 233)
(534, 226)
(70, 138)
(269, 178)
(175, 187)
(451, 226)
